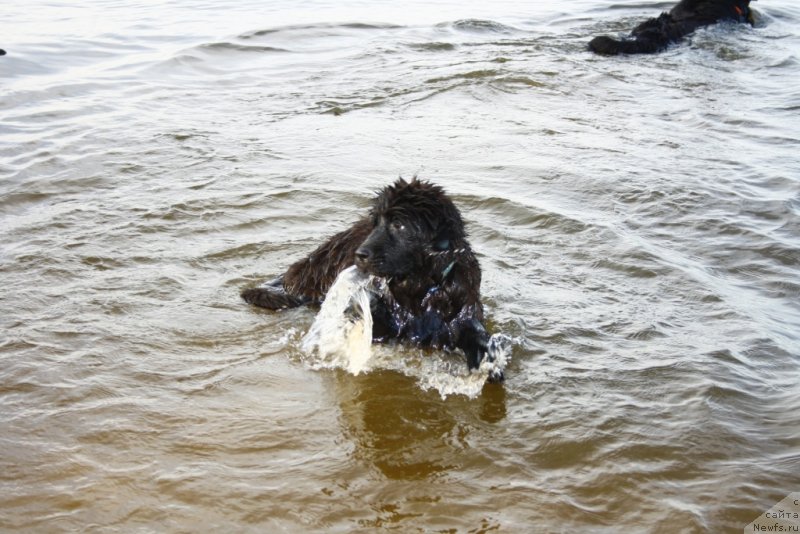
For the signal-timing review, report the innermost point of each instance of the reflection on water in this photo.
(407, 434)
(636, 219)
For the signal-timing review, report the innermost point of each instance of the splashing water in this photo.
(342, 331)
(451, 376)
(341, 337)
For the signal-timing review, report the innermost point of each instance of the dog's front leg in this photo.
(474, 341)
(384, 325)
(273, 296)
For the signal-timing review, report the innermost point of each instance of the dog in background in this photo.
(656, 34)
(414, 239)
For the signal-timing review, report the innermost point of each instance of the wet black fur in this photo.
(656, 34)
(414, 239)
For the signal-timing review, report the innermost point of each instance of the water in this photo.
(636, 221)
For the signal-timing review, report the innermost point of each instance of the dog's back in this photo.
(657, 33)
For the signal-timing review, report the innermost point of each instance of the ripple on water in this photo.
(479, 26)
(635, 219)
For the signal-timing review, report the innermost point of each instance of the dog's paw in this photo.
(496, 376)
(255, 295)
(271, 298)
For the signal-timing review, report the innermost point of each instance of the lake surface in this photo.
(637, 220)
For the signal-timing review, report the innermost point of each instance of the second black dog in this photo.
(656, 34)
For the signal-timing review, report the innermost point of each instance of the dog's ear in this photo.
(450, 225)
(441, 243)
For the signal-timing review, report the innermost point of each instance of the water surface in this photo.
(636, 219)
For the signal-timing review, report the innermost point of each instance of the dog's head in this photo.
(716, 10)
(743, 11)
(703, 12)
(411, 222)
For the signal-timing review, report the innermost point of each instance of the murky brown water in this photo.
(636, 220)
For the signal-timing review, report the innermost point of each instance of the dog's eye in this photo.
(397, 226)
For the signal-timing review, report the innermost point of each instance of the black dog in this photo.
(414, 239)
(656, 34)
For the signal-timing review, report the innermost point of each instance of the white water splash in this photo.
(342, 331)
(341, 337)
(451, 377)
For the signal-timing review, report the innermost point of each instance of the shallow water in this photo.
(636, 220)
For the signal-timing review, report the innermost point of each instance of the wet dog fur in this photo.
(657, 33)
(414, 239)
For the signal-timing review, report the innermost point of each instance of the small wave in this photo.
(183, 60)
(479, 26)
(233, 47)
(521, 80)
(471, 75)
(432, 47)
(314, 27)
(635, 271)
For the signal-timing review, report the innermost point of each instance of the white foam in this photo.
(342, 331)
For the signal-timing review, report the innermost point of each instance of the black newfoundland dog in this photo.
(656, 34)
(414, 239)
